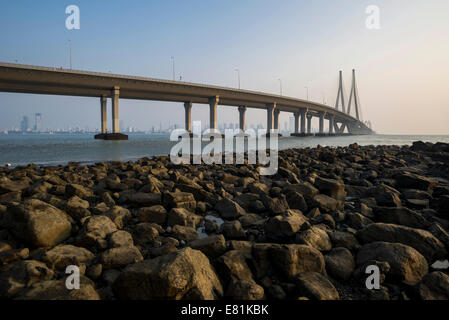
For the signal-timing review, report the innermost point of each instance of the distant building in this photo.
(24, 124)
(38, 124)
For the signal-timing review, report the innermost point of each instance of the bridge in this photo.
(17, 78)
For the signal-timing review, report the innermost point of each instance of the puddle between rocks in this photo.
(202, 230)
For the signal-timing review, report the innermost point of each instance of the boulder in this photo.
(287, 225)
(423, 241)
(80, 191)
(245, 290)
(229, 209)
(407, 264)
(232, 266)
(116, 258)
(180, 200)
(77, 208)
(120, 238)
(434, 286)
(212, 246)
(183, 217)
(185, 233)
(325, 203)
(345, 239)
(63, 255)
(119, 215)
(95, 229)
(402, 216)
(331, 188)
(340, 263)
(185, 274)
(233, 230)
(414, 181)
(7, 185)
(316, 238)
(145, 233)
(315, 286)
(17, 276)
(37, 223)
(156, 214)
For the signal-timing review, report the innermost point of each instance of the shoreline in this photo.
(308, 232)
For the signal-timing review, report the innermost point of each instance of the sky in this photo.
(402, 68)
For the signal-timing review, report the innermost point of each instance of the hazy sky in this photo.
(402, 69)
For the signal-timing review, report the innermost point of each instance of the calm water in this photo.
(46, 149)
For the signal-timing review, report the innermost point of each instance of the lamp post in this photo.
(280, 85)
(238, 76)
(307, 93)
(70, 49)
(173, 66)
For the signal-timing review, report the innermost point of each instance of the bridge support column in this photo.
(213, 103)
(276, 119)
(115, 135)
(309, 124)
(104, 119)
(331, 124)
(270, 116)
(296, 133)
(242, 111)
(188, 117)
(321, 123)
(303, 122)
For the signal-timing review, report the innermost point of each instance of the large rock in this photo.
(212, 246)
(332, 188)
(306, 189)
(180, 200)
(402, 216)
(17, 276)
(116, 258)
(183, 217)
(316, 238)
(294, 259)
(119, 215)
(80, 191)
(315, 286)
(414, 181)
(233, 266)
(434, 286)
(185, 233)
(245, 290)
(386, 196)
(185, 274)
(287, 225)
(95, 229)
(7, 185)
(156, 214)
(77, 208)
(344, 239)
(64, 255)
(423, 241)
(229, 209)
(326, 203)
(57, 290)
(407, 264)
(340, 263)
(38, 223)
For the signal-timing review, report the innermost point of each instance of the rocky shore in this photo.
(154, 230)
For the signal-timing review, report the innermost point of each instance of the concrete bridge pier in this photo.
(303, 122)
(188, 116)
(242, 111)
(213, 104)
(115, 135)
(270, 116)
(296, 133)
(309, 124)
(104, 119)
(331, 124)
(321, 122)
(276, 121)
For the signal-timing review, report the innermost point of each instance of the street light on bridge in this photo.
(70, 49)
(238, 76)
(307, 93)
(280, 85)
(173, 67)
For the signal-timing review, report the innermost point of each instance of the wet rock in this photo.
(229, 209)
(315, 286)
(340, 263)
(37, 223)
(156, 214)
(407, 264)
(62, 256)
(186, 274)
(94, 231)
(423, 241)
(212, 246)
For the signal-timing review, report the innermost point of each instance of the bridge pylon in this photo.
(354, 99)
(341, 95)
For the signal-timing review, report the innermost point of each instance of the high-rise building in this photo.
(38, 124)
(24, 124)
